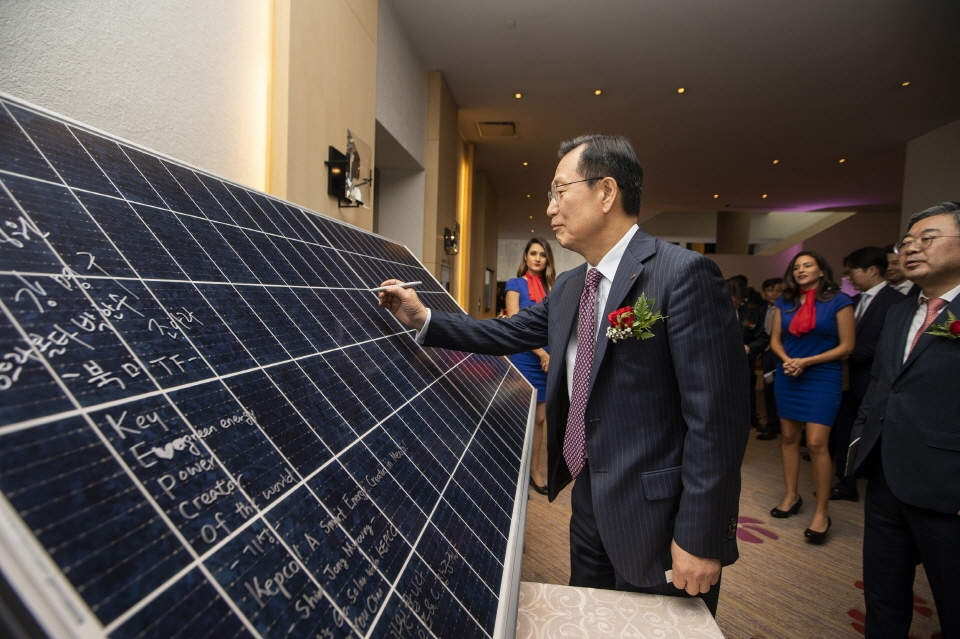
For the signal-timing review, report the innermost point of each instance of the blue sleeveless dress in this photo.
(528, 363)
(814, 396)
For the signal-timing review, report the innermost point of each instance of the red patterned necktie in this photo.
(575, 441)
(934, 306)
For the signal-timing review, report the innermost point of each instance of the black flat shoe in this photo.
(783, 514)
(767, 436)
(837, 493)
(815, 537)
(540, 489)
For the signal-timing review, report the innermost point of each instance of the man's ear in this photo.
(611, 193)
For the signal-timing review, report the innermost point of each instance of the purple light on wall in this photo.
(822, 207)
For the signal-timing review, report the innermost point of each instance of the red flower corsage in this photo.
(633, 321)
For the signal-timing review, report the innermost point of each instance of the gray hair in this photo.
(939, 209)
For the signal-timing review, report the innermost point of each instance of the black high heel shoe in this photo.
(815, 537)
(783, 514)
(540, 489)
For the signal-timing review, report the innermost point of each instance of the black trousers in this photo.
(840, 438)
(769, 362)
(897, 537)
(590, 567)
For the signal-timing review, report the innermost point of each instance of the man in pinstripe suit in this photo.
(666, 418)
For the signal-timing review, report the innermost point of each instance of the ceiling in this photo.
(806, 83)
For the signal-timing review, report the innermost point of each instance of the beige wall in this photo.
(443, 155)
(862, 229)
(185, 78)
(483, 245)
(324, 83)
(932, 173)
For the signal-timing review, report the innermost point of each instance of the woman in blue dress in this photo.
(813, 329)
(534, 279)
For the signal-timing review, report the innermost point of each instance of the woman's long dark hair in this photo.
(549, 275)
(826, 289)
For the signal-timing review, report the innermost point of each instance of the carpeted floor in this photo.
(782, 587)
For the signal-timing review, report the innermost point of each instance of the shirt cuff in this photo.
(421, 334)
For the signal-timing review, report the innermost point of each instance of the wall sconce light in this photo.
(337, 177)
(451, 240)
(348, 178)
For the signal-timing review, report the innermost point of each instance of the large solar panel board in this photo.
(209, 429)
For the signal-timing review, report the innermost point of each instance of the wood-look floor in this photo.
(781, 587)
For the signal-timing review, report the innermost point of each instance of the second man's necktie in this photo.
(934, 306)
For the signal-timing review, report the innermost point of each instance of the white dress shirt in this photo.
(920, 315)
(904, 286)
(866, 297)
(608, 268)
(768, 320)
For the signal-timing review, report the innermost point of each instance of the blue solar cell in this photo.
(21, 156)
(57, 144)
(121, 172)
(289, 432)
(191, 607)
(89, 515)
(183, 248)
(157, 175)
(312, 404)
(210, 426)
(134, 239)
(52, 217)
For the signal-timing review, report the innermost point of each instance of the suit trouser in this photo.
(769, 361)
(590, 567)
(840, 437)
(896, 537)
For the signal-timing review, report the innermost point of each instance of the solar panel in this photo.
(209, 429)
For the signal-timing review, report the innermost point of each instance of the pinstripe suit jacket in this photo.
(667, 419)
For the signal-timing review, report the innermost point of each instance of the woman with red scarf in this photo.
(813, 329)
(534, 279)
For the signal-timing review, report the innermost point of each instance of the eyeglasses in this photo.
(553, 196)
(850, 272)
(921, 243)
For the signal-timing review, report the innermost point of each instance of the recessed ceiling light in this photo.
(526, 163)
(764, 196)
(681, 90)
(532, 231)
(905, 84)
(528, 195)
(842, 160)
(776, 161)
(518, 95)
(597, 92)
(716, 195)
(531, 217)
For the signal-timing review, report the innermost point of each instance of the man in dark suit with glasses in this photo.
(907, 436)
(653, 430)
